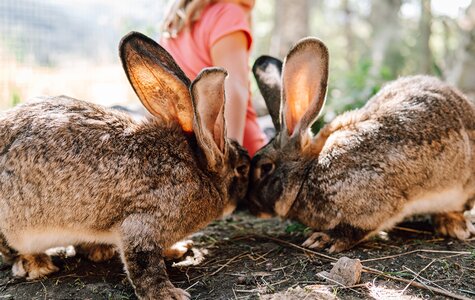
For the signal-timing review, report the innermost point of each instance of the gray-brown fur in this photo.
(70, 165)
(411, 142)
(268, 70)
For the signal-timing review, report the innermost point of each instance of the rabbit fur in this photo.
(72, 172)
(409, 150)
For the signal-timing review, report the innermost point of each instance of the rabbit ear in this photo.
(207, 93)
(304, 85)
(268, 73)
(157, 79)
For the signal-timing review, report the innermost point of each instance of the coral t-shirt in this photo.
(192, 51)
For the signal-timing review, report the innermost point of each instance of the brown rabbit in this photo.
(409, 150)
(72, 172)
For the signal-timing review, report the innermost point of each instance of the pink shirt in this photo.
(192, 51)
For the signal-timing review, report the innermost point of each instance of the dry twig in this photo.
(417, 276)
(228, 262)
(412, 230)
(416, 251)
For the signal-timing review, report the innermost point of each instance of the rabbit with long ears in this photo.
(409, 150)
(72, 172)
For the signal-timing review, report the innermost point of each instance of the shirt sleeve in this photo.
(228, 18)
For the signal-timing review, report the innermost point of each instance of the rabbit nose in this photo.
(263, 170)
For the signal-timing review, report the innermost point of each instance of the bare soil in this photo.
(242, 257)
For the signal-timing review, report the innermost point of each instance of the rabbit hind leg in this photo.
(454, 224)
(8, 253)
(33, 266)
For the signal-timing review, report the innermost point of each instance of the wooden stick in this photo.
(417, 275)
(416, 251)
(412, 230)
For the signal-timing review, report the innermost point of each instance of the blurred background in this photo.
(54, 47)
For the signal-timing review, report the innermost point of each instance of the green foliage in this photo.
(356, 87)
(15, 98)
(318, 124)
(297, 227)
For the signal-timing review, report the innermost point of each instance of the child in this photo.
(205, 33)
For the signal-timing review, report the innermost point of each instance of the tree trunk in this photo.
(291, 24)
(463, 72)
(386, 38)
(345, 5)
(424, 51)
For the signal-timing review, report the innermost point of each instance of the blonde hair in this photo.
(183, 13)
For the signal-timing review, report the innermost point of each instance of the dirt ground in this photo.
(242, 257)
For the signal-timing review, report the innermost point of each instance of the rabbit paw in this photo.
(454, 224)
(96, 252)
(178, 249)
(64, 252)
(321, 240)
(317, 240)
(33, 266)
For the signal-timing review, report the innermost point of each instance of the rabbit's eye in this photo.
(266, 169)
(242, 170)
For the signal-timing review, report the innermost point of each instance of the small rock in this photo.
(346, 271)
(269, 266)
(241, 280)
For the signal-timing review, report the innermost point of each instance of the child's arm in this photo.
(231, 53)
